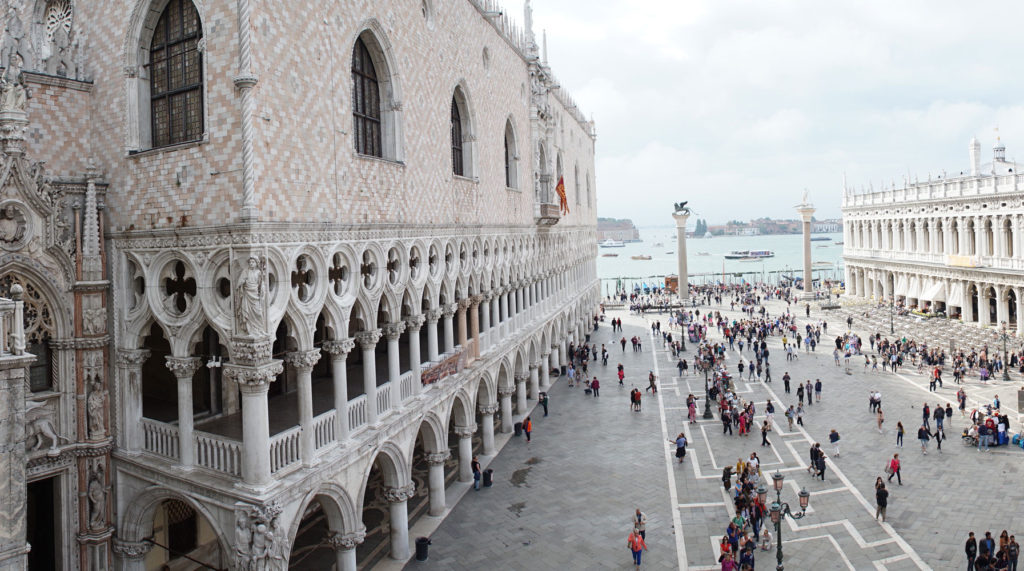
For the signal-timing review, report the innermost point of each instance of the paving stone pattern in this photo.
(592, 462)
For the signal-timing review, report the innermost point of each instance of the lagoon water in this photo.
(705, 261)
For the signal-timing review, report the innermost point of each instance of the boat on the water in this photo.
(640, 257)
(609, 243)
(670, 252)
(820, 238)
(838, 243)
(754, 254)
(703, 254)
(609, 255)
(821, 264)
(659, 245)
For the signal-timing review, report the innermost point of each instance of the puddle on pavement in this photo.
(517, 508)
(519, 477)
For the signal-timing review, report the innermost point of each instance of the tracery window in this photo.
(176, 76)
(511, 173)
(365, 102)
(39, 331)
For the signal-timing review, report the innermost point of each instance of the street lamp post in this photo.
(892, 307)
(1005, 336)
(780, 510)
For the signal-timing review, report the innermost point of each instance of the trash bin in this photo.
(488, 477)
(519, 428)
(422, 547)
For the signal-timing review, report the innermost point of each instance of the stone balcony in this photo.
(546, 214)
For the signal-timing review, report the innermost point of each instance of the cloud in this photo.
(739, 105)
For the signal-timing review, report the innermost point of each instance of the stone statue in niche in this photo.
(97, 493)
(12, 224)
(258, 539)
(94, 408)
(93, 315)
(15, 42)
(13, 94)
(61, 54)
(250, 294)
(38, 426)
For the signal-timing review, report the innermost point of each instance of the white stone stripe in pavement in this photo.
(677, 522)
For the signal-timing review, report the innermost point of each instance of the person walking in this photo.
(765, 429)
(924, 436)
(939, 415)
(640, 523)
(477, 473)
(622, 375)
(821, 463)
(800, 414)
(527, 427)
(636, 544)
(880, 417)
(800, 393)
(899, 434)
(971, 549)
(785, 381)
(881, 501)
(651, 386)
(680, 447)
(1013, 552)
(833, 437)
(926, 413)
(544, 402)
(810, 388)
(595, 385)
(790, 415)
(894, 469)
(939, 435)
(817, 389)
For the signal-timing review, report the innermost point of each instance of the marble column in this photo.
(533, 388)
(397, 499)
(393, 332)
(129, 362)
(505, 398)
(474, 323)
(967, 310)
(368, 344)
(521, 379)
(339, 350)
(465, 434)
(413, 325)
(303, 363)
(344, 545)
(495, 324)
(183, 369)
(485, 319)
(1002, 306)
(487, 427)
(503, 306)
(984, 314)
(555, 358)
(432, 316)
(806, 210)
(463, 308)
(254, 382)
(435, 481)
(563, 353)
(545, 360)
(681, 217)
(448, 312)
(14, 547)
(130, 555)
(1019, 291)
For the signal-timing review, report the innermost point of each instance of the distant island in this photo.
(766, 227)
(621, 229)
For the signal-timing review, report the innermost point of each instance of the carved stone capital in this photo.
(465, 303)
(131, 358)
(131, 550)
(252, 351)
(535, 366)
(545, 353)
(464, 431)
(346, 541)
(184, 367)
(438, 458)
(399, 494)
(448, 311)
(521, 378)
(506, 392)
(433, 315)
(414, 323)
(392, 331)
(368, 339)
(252, 379)
(475, 300)
(486, 409)
(339, 349)
(303, 361)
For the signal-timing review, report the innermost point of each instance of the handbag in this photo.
(888, 470)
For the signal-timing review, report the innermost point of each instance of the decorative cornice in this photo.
(135, 550)
(392, 331)
(399, 494)
(303, 361)
(131, 358)
(346, 541)
(183, 367)
(339, 349)
(438, 458)
(368, 339)
(101, 342)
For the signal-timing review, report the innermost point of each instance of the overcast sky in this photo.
(737, 106)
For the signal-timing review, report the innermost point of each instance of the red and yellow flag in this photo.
(563, 202)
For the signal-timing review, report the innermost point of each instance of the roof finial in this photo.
(544, 52)
(528, 21)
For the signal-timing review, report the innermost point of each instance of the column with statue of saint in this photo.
(682, 214)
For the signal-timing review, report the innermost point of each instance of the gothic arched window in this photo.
(39, 331)
(457, 159)
(511, 174)
(176, 75)
(365, 102)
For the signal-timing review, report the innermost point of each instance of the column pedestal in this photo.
(806, 211)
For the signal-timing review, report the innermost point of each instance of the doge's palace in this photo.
(274, 272)
(952, 245)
